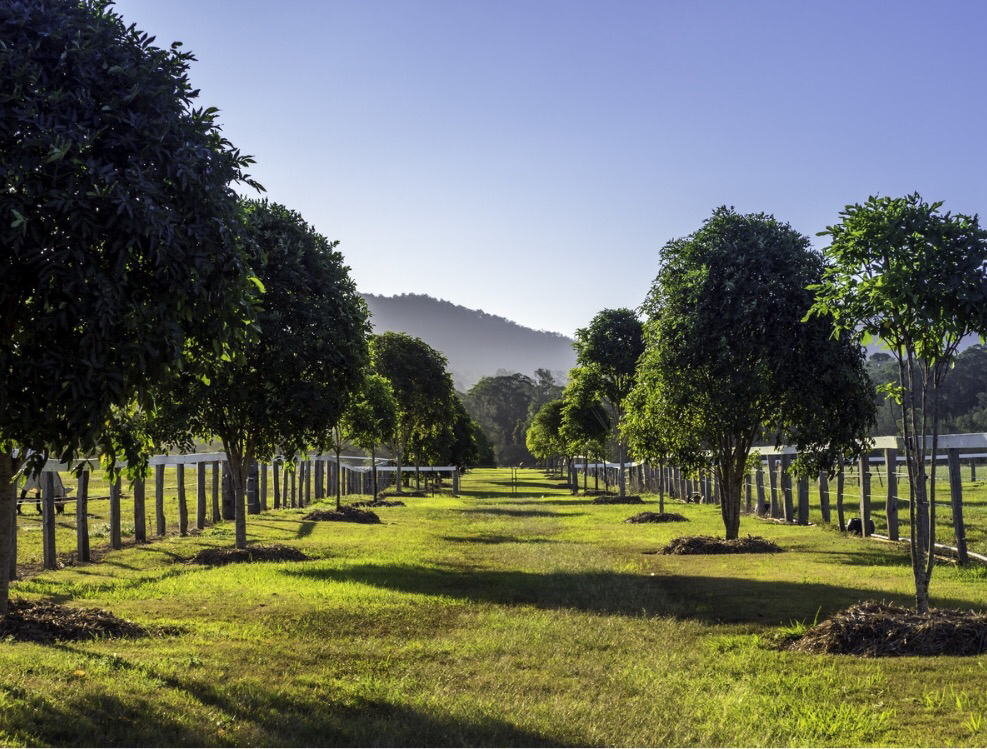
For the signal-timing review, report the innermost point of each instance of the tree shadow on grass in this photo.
(700, 597)
(305, 529)
(260, 714)
(490, 538)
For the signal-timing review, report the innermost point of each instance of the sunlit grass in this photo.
(508, 616)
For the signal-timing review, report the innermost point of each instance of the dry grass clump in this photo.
(711, 545)
(345, 514)
(45, 622)
(657, 517)
(877, 630)
(613, 499)
(270, 553)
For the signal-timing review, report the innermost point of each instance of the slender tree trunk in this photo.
(339, 480)
(8, 525)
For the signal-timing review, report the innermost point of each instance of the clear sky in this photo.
(531, 157)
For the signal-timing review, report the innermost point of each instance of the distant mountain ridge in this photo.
(476, 343)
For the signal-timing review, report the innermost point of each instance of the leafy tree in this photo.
(500, 404)
(915, 278)
(371, 419)
(545, 389)
(544, 436)
(586, 422)
(119, 226)
(304, 364)
(611, 346)
(422, 387)
(729, 357)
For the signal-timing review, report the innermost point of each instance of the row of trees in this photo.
(143, 303)
(753, 337)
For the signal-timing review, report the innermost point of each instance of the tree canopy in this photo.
(501, 406)
(903, 272)
(371, 418)
(121, 258)
(730, 359)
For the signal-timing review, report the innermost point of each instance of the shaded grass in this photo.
(487, 620)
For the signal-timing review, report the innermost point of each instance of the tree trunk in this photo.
(8, 525)
(732, 483)
(238, 478)
(339, 480)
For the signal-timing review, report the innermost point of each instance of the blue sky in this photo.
(531, 158)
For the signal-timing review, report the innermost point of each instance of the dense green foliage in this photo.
(916, 279)
(586, 423)
(611, 347)
(730, 359)
(371, 418)
(544, 436)
(119, 228)
(290, 384)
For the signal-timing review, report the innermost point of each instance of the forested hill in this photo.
(475, 342)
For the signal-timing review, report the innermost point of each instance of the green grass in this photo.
(491, 619)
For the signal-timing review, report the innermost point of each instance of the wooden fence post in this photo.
(140, 514)
(116, 542)
(956, 499)
(82, 518)
(229, 501)
(217, 514)
(747, 491)
(276, 480)
(455, 483)
(786, 487)
(803, 494)
(824, 496)
(182, 500)
(865, 495)
(159, 516)
(762, 505)
(200, 495)
(891, 508)
(318, 479)
(773, 481)
(262, 468)
(253, 500)
(48, 520)
(840, 479)
(308, 482)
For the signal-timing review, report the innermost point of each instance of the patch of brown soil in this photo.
(345, 514)
(657, 517)
(613, 499)
(226, 555)
(44, 622)
(710, 545)
(415, 493)
(875, 630)
(379, 503)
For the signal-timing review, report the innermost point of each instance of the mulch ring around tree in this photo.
(406, 494)
(710, 545)
(657, 517)
(345, 514)
(272, 553)
(878, 630)
(379, 503)
(613, 499)
(46, 622)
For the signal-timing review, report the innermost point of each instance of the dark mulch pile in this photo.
(379, 503)
(272, 553)
(657, 517)
(41, 621)
(710, 545)
(876, 630)
(405, 494)
(612, 499)
(346, 514)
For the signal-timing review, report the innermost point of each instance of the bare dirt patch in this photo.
(613, 499)
(45, 622)
(657, 517)
(272, 553)
(710, 545)
(880, 630)
(379, 503)
(345, 514)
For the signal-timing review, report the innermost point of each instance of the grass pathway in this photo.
(509, 616)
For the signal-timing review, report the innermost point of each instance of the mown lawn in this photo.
(491, 619)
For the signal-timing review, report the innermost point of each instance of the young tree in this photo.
(306, 360)
(422, 387)
(120, 262)
(544, 436)
(371, 419)
(586, 422)
(611, 346)
(729, 357)
(916, 279)
(501, 405)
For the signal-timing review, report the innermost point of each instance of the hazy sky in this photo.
(531, 157)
